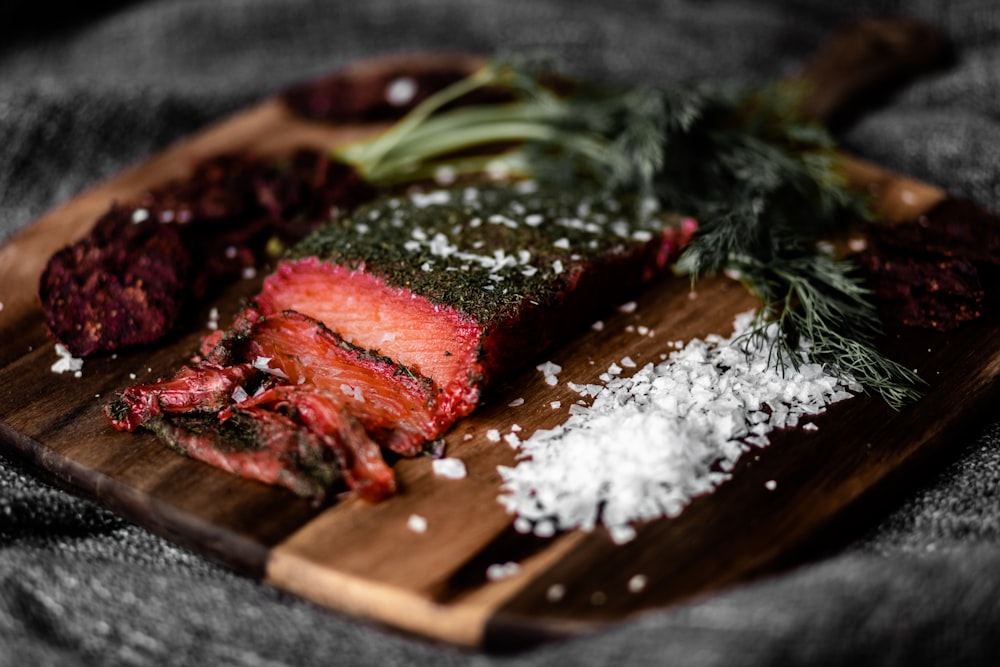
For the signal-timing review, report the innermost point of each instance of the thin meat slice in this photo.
(205, 389)
(396, 405)
(362, 466)
(256, 444)
(322, 404)
(364, 309)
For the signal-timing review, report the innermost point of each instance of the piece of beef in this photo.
(397, 405)
(205, 389)
(384, 327)
(323, 414)
(350, 400)
(467, 286)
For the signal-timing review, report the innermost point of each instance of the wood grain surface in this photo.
(361, 558)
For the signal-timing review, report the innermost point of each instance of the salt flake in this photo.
(67, 362)
(449, 468)
(647, 444)
(417, 523)
(499, 571)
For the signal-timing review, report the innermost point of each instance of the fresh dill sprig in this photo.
(762, 181)
(818, 298)
(770, 193)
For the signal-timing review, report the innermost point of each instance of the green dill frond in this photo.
(820, 299)
(763, 181)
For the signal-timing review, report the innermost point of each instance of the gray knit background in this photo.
(88, 88)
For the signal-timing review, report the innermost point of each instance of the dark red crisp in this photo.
(935, 272)
(129, 281)
(124, 284)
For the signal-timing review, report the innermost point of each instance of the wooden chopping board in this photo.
(362, 559)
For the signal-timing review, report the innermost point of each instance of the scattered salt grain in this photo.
(770, 485)
(67, 362)
(249, 273)
(628, 307)
(261, 364)
(239, 395)
(444, 175)
(213, 319)
(637, 583)
(550, 371)
(627, 362)
(498, 571)
(621, 534)
(597, 326)
(555, 593)
(515, 403)
(650, 442)
(401, 91)
(449, 468)
(417, 523)
(857, 244)
(493, 435)
(810, 427)
(555, 405)
(467, 437)
(140, 215)
(641, 330)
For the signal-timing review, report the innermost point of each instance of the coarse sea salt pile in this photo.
(650, 442)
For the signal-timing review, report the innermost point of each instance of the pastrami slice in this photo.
(296, 404)
(396, 405)
(256, 444)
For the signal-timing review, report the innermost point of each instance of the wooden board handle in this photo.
(862, 63)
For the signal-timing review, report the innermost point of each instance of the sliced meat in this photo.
(295, 375)
(384, 327)
(467, 286)
(256, 444)
(396, 405)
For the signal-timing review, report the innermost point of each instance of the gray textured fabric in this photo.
(88, 90)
